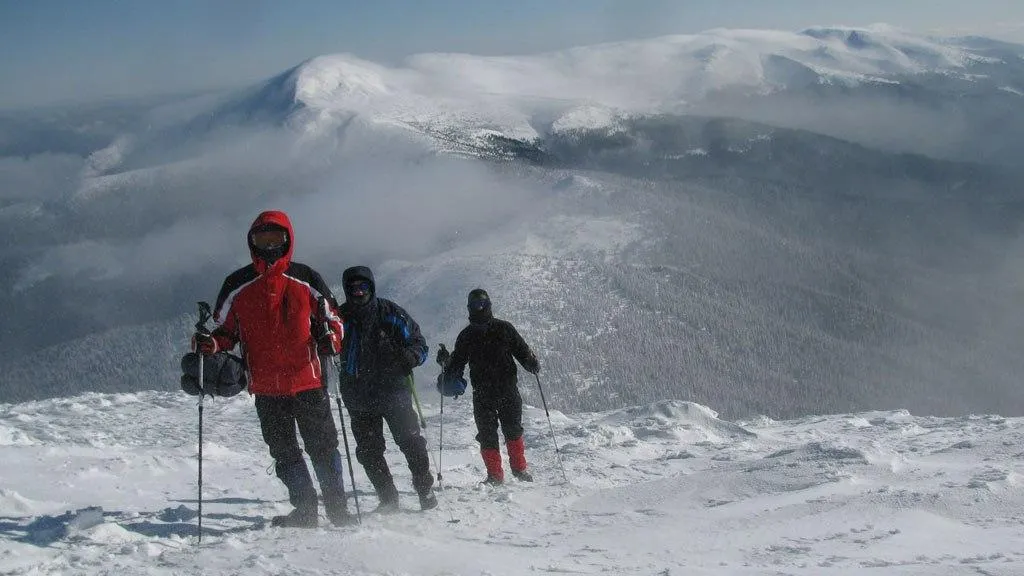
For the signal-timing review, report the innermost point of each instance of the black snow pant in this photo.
(310, 412)
(493, 406)
(368, 430)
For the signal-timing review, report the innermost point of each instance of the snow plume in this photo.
(365, 194)
(388, 207)
(134, 237)
(37, 178)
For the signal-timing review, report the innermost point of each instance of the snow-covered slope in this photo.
(106, 484)
(523, 95)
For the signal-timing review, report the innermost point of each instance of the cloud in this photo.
(38, 178)
(370, 195)
(402, 209)
(1012, 31)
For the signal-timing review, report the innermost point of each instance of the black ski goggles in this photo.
(357, 288)
(269, 239)
(478, 303)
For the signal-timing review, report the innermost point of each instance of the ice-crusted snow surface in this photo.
(665, 488)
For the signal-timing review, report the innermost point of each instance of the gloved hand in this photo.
(402, 360)
(328, 344)
(450, 386)
(533, 366)
(408, 360)
(443, 356)
(204, 343)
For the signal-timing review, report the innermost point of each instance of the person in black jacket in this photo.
(489, 345)
(382, 345)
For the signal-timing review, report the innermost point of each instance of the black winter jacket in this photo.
(382, 345)
(489, 347)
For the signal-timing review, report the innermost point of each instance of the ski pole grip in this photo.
(204, 317)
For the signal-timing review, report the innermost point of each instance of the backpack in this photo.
(224, 374)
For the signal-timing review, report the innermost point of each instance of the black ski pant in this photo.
(310, 412)
(368, 430)
(494, 406)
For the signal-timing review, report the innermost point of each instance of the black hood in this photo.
(360, 272)
(481, 316)
(359, 311)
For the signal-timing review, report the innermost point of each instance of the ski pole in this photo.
(204, 315)
(551, 428)
(440, 445)
(344, 435)
(442, 360)
(322, 304)
(348, 457)
(200, 483)
(411, 382)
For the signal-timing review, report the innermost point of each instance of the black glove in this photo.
(401, 360)
(443, 356)
(532, 365)
(328, 345)
(408, 360)
(204, 343)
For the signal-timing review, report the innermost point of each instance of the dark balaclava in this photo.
(479, 306)
(359, 286)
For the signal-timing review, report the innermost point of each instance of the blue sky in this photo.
(68, 50)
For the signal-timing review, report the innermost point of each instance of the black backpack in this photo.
(223, 374)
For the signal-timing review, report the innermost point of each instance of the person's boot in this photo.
(428, 499)
(338, 514)
(523, 475)
(387, 498)
(517, 459)
(301, 494)
(383, 484)
(423, 482)
(387, 506)
(492, 461)
(304, 517)
(332, 483)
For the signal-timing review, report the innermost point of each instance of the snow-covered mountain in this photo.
(463, 100)
(760, 221)
(589, 86)
(102, 484)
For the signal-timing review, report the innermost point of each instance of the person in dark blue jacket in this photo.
(382, 346)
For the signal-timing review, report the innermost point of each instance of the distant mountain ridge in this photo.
(788, 79)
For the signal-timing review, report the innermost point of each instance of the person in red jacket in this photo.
(272, 308)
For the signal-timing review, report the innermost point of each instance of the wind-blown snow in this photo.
(666, 488)
(589, 86)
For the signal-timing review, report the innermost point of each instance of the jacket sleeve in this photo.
(227, 329)
(406, 333)
(327, 314)
(459, 358)
(520, 351)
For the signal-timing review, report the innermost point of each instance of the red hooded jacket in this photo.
(273, 312)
